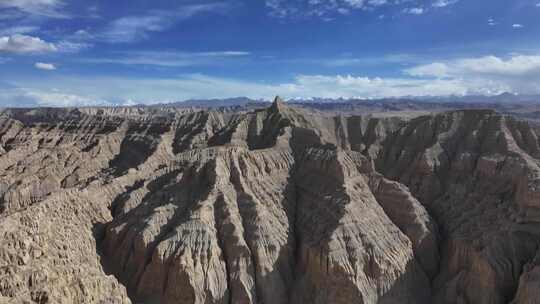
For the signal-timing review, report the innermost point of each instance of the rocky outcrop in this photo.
(476, 176)
(274, 205)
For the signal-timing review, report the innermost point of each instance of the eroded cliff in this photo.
(275, 205)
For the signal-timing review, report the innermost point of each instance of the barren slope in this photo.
(271, 206)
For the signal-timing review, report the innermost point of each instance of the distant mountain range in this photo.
(243, 101)
(212, 103)
(521, 106)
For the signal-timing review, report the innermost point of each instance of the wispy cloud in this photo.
(68, 46)
(28, 97)
(129, 29)
(414, 10)
(491, 22)
(483, 75)
(332, 8)
(436, 69)
(444, 3)
(134, 28)
(46, 8)
(152, 90)
(517, 25)
(22, 29)
(316, 8)
(25, 44)
(93, 11)
(168, 58)
(352, 61)
(377, 2)
(45, 66)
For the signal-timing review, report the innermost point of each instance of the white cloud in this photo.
(24, 44)
(45, 66)
(414, 10)
(82, 35)
(435, 69)
(478, 75)
(128, 103)
(517, 73)
(537, 4)
(444, 3)
(20, 44)
(517, 65)
(517, 25)
(377, 2)
(117, 90)
(168, 59)
(354, 3)
(343, 11)
(325, 9)
(365, 87)
(47, 8)
(317, 8)
(133, 28)
(491, 22)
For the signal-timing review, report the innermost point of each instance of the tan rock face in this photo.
(276, 205)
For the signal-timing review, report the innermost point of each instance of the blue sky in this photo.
(82, 52)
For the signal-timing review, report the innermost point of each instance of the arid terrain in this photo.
(270, 203)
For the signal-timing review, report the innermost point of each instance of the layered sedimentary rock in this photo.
(275, 205)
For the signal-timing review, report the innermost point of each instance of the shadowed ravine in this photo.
(275, 205)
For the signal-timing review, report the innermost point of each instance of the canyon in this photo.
(269, 204)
